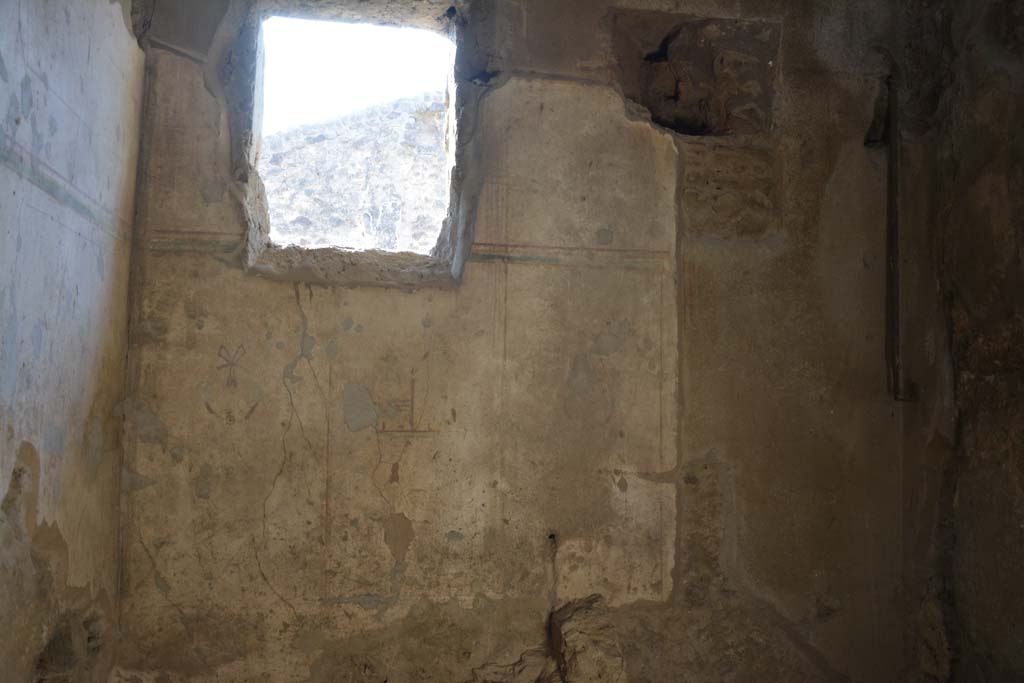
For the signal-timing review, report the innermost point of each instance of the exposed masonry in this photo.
(703, 77)
(582, 647)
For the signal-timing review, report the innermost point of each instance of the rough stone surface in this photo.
(703, 76)
(377, 179)
(981, 214)
(585, 644)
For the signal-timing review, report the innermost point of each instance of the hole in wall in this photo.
(357, 134)
(698, 76)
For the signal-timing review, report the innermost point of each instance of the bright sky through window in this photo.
(319, 70)
(356, 146)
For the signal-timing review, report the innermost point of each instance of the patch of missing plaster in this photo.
(360, 410)
(398, 535)
(697, 76)
(20, 503)
(582, 647)
(585, 644)
(3, 69)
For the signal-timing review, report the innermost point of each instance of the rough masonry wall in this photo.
(980, 182)
(662, 381)
(70, 91)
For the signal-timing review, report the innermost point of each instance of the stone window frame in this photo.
(237, 53)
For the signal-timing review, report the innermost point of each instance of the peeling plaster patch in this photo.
(398, 535)
(699, 76)
(640, 546)
(3, 70)
(729, 192)
(605, 236)
(454, 536)
(360, 411)
(20, 503)
(585, 644)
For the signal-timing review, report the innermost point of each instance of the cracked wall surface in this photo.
(70, 92)
(662, 381)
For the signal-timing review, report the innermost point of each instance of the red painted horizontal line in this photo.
(611, 250)
(407, 431)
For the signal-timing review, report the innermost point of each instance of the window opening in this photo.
(357, 141)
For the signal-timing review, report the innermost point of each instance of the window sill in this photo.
(337, 267)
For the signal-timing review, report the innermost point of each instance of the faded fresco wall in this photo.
(661, 381)
(70, 92)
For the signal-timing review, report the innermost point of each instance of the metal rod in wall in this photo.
(893, 257)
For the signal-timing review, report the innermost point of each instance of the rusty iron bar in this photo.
(893, 282)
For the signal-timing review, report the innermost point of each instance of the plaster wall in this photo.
(70, 90)
(662, 380)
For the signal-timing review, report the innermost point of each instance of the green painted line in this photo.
(48, 184)
(162, 244)
(508, 258)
